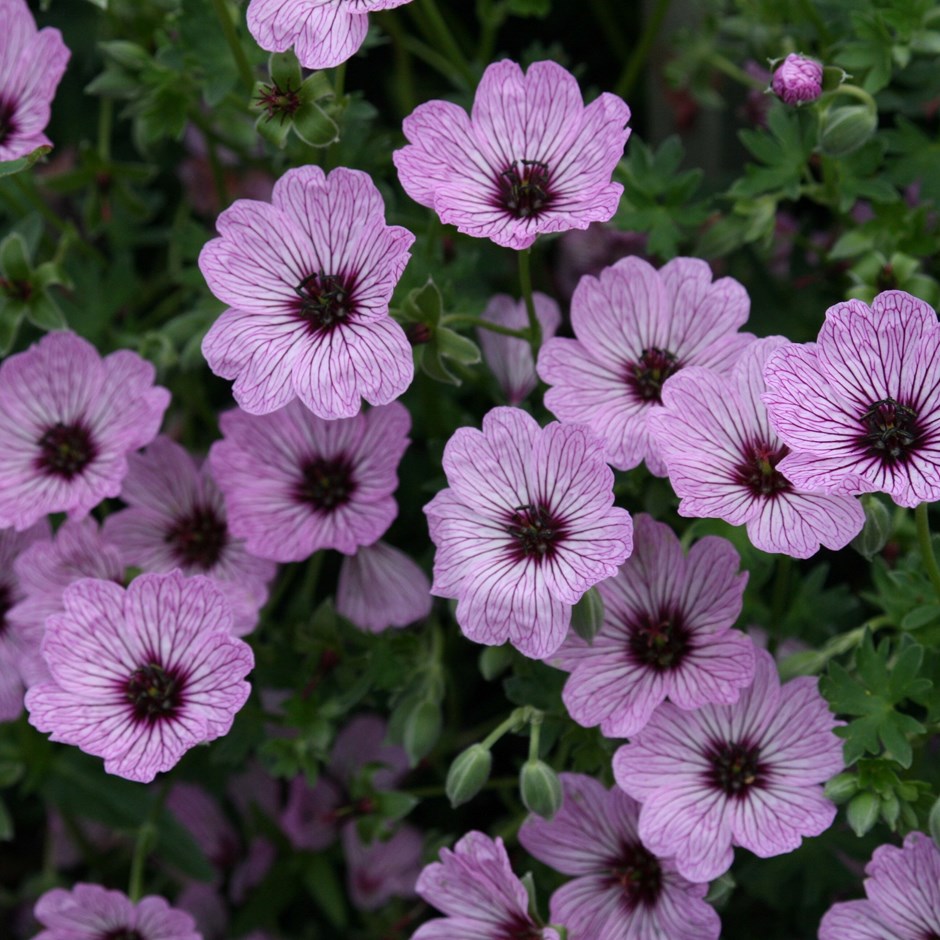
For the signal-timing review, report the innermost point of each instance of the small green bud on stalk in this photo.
(467, 774)
(863, 812)
(422, 729)
(587, 616)
(876, 531)
(540, 788)
(842, 787)
(845, 129)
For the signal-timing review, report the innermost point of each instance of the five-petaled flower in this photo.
(635, 327)
(526, 526)
(620, 890)
(309, 278)
(139, 676)
(725, 460)
(530, 158)
(746, 774)
(860, 408)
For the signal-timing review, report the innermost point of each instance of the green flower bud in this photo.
(845, 129)
(422, 729)
(842, 787)
(467, 774)
(587, 616)
(876, 531)
(863, 812)
(494, 660)
(540, 788)
(890, 809)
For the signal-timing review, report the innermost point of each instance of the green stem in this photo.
(404, 80)
(105, 120)
(781, 587)
(218, 173)
(238, 50)
(525, 285)
(610, 28)
(733, 71)
(445, 38)
(535, 731)
(813, 15)
(339, 80)
(145, 836)
(635, 63)
(516, 719)
(926, 546)
(485, 325)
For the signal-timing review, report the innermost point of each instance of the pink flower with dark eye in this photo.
(859, 410)
(77, 550)
(16, 643)
(309, 278)
(139, 676)
(797, 79)
(381, 587)
(475, 886)
(177, 519)
(68, 419)
(530, 158)
(526, 526)
(510, 358)
(620, 890)
(294, 483)
(31, 65)
(635, 327)
(90, 912)
(903, 888)
(380, 870)
(666, 632)
(746, 774)
(725, 460)
(323, 33)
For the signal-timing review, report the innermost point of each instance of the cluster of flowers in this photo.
(776, 436)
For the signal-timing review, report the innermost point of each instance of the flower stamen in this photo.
(324, 301)
(524, 192)
(892, 430)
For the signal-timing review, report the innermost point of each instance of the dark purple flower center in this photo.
(123, 933)
(524, 188)
(155, 692)
(65, 450)
(7, 119)
(326, 483)
(891, 430)
(638, 873)
(325, 301)
(647, 374)
(199, 539)
(277, 102)
(6, 602)
(758, 471)
(534, 531)
(519, 928)
(659, 640)
(735, 767)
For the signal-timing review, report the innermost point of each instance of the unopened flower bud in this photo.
(467, 774)
(863, 812)
(933, 823)
(540, 788)
(422, 729)
(842, 787)
(876, 531)
(587, 616)
(797, 79)
(845, 129)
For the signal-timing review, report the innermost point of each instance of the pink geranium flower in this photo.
(308, 279)
(474, 885)
(903, 888)
(381, 587)
(68, 419)
(860, 409)
(177, 519)
(726, 461)
(141, 676)
(746, 774)
(510, 358)
(666, 632)
(530, 158)
(294, 483)
(90, 912)
(635, 327)
(526, 526)
(621, 890)
(323, 33)
(15, 642)
(382, 869)
(31, 65)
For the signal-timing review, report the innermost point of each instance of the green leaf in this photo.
(44, 312)
(285, 70)
(14, 258)
(321, 882)
(456, 347)
(538, 8)
(9, 167)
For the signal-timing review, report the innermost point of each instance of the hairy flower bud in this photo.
(587, 616)
(540, 788)
(876, 531)
(797, 79)
(467, 774)
(844, 130)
